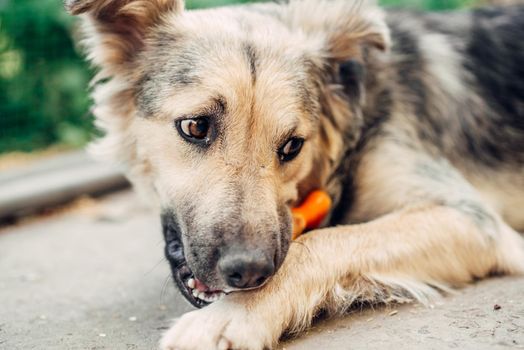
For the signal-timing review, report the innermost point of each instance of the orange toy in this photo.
(310, 213)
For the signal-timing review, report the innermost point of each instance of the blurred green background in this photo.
(44, 80)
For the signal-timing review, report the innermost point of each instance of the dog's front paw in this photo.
(221, 326)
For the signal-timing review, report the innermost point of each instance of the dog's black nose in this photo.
(245, 269)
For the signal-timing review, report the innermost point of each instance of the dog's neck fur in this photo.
(356, 99)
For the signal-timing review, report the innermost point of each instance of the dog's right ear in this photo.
(115, 30)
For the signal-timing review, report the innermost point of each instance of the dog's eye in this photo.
(291, 149)
(194, 130)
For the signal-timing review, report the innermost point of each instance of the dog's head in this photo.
(229, 116)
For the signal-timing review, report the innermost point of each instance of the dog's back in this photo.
(456, 80)
(474, 60)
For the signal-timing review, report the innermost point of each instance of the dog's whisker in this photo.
(154, 267)
(164, 288)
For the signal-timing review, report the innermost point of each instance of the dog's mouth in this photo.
(194, 290)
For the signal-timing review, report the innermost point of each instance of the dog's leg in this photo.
(401, 257)
(443, 237)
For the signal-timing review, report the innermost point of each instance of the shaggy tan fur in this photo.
(424, 217)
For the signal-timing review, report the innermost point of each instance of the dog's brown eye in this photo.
(195, 130)
(291, 149)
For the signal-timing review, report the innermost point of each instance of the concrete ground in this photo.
(93, 277)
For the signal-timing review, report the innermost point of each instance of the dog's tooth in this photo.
(195, 293)
(191, 283)
(212, 298)
(202, 296)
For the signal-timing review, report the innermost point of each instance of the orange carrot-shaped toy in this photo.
(310, 213)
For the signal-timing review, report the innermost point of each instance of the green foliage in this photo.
(44, 81)
(193, 4)
(435, 5)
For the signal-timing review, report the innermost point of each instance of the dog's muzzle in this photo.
(196, 292)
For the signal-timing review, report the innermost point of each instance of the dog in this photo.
(413, 123)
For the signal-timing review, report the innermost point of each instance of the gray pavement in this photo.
(94, 278)
(54, 181)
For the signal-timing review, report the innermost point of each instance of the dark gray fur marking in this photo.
(478, 213)
(435, 171)
(146, 97)
(495, 57)
(252, 60)
(442, 177)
